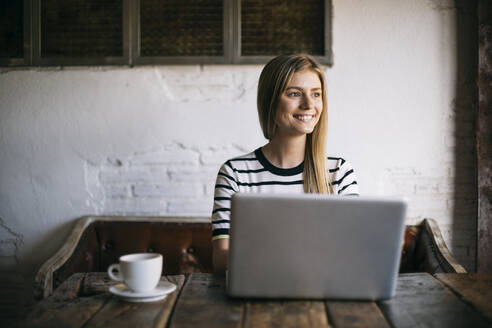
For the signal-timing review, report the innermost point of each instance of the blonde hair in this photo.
(274, 79)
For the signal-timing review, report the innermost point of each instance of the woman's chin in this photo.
(304, 131)
(297, 130)
(308, 129)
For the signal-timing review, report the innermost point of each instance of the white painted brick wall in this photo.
(191, 173)
(116, 191)
(199, 206)
(135, 206)
(169, 190)
(170, 154)
(173, 180)
(133, 174)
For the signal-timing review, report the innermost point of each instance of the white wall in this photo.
(149, 140)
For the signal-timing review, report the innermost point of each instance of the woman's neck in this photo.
(285, 152)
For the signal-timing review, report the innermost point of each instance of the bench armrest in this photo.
(440, 250)
(43, 282)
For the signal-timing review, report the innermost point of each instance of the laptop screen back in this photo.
(314, 246)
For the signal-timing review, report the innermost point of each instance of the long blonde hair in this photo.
(274, 79)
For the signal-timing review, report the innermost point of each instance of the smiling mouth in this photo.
(304, 118)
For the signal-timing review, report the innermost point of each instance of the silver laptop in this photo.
(314, 246)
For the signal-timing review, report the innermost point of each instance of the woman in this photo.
(292, 111)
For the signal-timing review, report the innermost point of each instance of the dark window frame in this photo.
(131, 41)
(27, 59)
(38, 60)
(137, 59)
(327, 59)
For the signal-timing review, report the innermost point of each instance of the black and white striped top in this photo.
(253, 173)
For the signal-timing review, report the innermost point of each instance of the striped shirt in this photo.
(253, 173)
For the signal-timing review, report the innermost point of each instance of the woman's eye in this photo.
(294, 94)
(317, 94)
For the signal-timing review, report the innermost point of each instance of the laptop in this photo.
(312, 246)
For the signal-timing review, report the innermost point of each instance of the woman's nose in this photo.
(307, 102)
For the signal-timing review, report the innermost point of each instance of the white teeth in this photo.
(304, 118)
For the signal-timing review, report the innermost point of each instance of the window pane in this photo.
(273, 27)
(81, 28)
(181, 28)
(11, 29)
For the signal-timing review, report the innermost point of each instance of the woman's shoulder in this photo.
(245, 157)
(239, 160)
(336, 163)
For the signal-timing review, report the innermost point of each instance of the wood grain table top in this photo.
(421, 300)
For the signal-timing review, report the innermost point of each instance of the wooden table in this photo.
(422, 300)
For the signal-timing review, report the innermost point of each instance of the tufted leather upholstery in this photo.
(186, 247)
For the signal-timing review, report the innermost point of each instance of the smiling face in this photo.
(300, 105)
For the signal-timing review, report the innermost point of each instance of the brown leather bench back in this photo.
(186, 247)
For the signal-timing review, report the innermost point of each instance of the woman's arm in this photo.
(344, 178)
(225, 187)
(220, 254)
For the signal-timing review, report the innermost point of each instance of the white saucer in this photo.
(143, 299)
(160, 292)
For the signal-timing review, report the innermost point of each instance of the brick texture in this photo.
(173, 180)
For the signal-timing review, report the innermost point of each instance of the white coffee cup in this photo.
(141, 272)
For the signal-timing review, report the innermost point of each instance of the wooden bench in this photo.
(98, 241)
